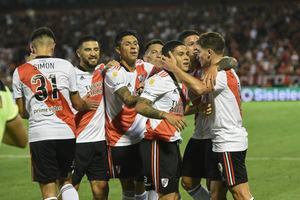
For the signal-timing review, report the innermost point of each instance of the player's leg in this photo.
(217, 186)
(193, 168)
(218, 190)
(83, 157)
(126, 165)
(148, 157)
(167, 175)
(241, 192)
(44, 167)
(65, 157)
(234, 171)
(100, 189)
(48, 190)
(97, 171)
(140, 192)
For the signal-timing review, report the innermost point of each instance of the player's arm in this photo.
(22, 110)
(15, 133)
(199, 87)
(145, 108)
(225, 63)
(82, 105)
(125, 95)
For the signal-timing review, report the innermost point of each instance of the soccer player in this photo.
(44, 89)
(153, 52)
(124, 126)
(12, 129)
(91, 151)
(229, 136)
(163, 102)
(199, 161)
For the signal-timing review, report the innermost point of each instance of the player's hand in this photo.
(113, 63)
(176, 121)
(206, 109)
(91, 104)
(140, 88)
(210, 77)
(169, 63)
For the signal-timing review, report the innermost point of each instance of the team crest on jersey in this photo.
(164, 182)
(82, 77)
(141, 78)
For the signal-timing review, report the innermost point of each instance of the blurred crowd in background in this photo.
(263, 38)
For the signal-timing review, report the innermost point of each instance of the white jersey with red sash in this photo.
(166, 96)
(227, 128)
(46, 83)
(90, 124)
(124, 126)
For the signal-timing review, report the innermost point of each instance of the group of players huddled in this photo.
(123, 119)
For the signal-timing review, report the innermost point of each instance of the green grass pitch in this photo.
(273, 158)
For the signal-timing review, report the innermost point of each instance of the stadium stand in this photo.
(266, 45)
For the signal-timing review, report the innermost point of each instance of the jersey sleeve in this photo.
(150, 69)
(156, 87)
(115, 79)
(72, 79)
(221, 81)
(17, 85)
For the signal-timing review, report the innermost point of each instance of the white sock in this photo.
(252, 198)
(68, 192)
(199, 193)
(128, 195)
(51, 198)
(142, 196)
(152, 195)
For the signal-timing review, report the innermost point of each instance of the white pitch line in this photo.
(273, 158)
(14, 156)
(247, 158)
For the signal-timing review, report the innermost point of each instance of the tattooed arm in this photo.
(125, 95)
(227, 63)
(144, 107)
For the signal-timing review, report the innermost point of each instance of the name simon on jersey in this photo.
(44, 66)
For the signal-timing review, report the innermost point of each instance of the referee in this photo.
(12, 129)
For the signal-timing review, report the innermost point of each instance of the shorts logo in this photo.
(164, 182)
(220, 167)
(118, 169)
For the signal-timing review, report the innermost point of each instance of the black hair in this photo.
(122, 34)
(40, 32)
(153, 41)
(186, 33)
(85, 38)
(170, 46)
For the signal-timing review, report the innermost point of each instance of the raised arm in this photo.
(198, 86)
